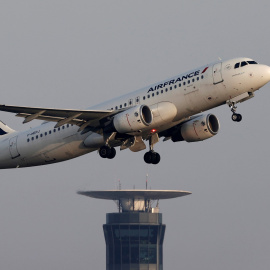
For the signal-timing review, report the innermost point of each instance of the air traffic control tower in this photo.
(134, 236)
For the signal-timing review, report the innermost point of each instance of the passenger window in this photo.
(116, 107)
(244, 64)
(45, 133)
(170, 88)
(157, 92)
(175, 86)
(153, 94)
(148, 96)
(28, 140)
(54, 130)
(193, 80)
(37, 137)
(58, 128)
(184, 83)
(198, 78)
(63, 127)
(121, 106)
(41, 135)
(166, 89)
(50, 132)
(161, 91)
(237, 65)
(32, 138)
(125, 104)
(179, 84)
(202, 77)
(67, 125)
(188, 81)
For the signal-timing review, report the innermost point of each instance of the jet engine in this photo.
(197, 129)
(132, 120)
(94, 140)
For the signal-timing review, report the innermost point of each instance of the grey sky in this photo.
(74, 54)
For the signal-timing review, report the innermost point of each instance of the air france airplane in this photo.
(167, 109)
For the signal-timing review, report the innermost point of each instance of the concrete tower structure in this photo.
(134, 236)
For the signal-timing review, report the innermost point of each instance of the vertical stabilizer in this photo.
(4, 129)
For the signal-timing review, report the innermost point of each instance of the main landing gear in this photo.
(107, 152)
(151, 157)
(236, 117)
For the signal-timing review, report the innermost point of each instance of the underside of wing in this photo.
(82, 118)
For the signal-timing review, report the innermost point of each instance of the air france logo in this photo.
(179, 79)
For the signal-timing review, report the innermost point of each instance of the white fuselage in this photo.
(190, 93)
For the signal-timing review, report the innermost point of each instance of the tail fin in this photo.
(4, 129)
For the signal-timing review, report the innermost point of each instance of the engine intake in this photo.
(198, 129)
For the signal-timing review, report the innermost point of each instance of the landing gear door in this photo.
(217, 74)
(13, 147)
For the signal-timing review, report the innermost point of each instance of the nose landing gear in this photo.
(236, 117)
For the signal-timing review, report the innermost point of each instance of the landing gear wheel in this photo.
(112, 154)
(104, 151)
(155, 158)
(148, 157)
(151, 157)
(236, 117)
(239, 118)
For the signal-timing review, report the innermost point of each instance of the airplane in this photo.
(170, 109)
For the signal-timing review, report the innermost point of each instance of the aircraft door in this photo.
(13, 147)
(217, 74)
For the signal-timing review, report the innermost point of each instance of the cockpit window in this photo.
(244, 63)
(252, 62)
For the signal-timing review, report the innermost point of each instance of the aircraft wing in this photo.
(81, 118)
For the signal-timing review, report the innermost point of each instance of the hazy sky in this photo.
(74, 54)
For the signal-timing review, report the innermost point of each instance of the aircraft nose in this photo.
(266, 73)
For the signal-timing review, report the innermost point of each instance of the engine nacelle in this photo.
(94, 140)
(132, 120)
(163, 112)
(198, 129)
